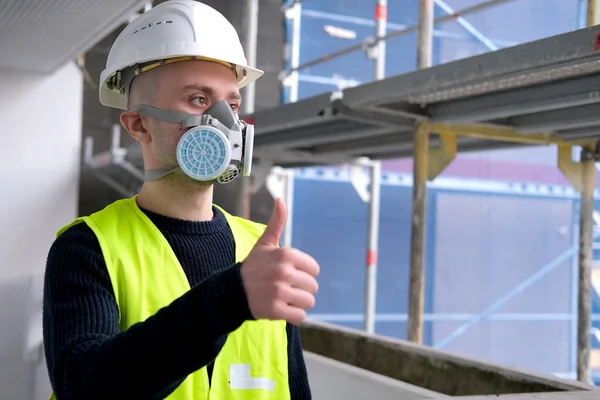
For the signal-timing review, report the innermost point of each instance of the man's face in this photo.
(192, 87)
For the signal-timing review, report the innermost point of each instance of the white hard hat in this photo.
(175, 30)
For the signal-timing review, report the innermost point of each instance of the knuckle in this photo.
(274, 309)
(285, 272)
(285, 253)
(279, 290)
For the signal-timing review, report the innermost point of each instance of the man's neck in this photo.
(186, 203)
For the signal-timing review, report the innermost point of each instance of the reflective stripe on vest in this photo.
(146, 276)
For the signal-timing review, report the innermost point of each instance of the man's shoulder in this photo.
(75, 250)
(77, 236)
(243, 223)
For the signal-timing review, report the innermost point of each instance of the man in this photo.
(165, 295)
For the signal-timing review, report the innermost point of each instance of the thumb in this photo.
(271, 235)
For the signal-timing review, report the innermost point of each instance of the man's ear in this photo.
(136, 125)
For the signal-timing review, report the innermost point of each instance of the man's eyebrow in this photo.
(233, 95)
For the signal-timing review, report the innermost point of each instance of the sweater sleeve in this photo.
(298, 378)
(89, 358)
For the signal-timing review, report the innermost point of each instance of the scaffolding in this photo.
(538, 93)
(468, 104)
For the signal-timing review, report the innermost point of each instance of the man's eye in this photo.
(234, 107)
(201, 101)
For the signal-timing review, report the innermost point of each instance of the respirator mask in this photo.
(216, 145)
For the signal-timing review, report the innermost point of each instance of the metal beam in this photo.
(541, 62)
(567, 118)
(552, 96)
(371, 144)
(316, 140)
(501, 133)
(320, 135)
(277, 156)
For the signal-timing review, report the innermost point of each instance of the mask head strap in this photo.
(175, 117)
(221, 112)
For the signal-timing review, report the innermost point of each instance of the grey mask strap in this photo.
(155, 174)
(222, 112)
(175, 117)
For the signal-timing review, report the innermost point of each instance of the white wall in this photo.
(40, 133)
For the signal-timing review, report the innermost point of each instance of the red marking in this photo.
(249, 120)
(597, 42)
(371, 258)
(380, 12)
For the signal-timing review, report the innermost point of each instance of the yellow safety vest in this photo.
(146, 276)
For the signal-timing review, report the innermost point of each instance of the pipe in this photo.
(419, 193)
(289, 202)
(468, 10)
(372, 247)
(584, 298)
(586, 236)
(250, 39)
(375, 186)
(244, 194)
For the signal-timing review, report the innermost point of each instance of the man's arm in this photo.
(87, 355)
(298, 379)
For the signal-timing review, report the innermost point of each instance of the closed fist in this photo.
(280, 282)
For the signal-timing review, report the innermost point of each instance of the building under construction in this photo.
(437, 157)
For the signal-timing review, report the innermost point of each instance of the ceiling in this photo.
(42, 35)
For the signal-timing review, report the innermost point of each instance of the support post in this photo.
(289, 201)
(425, 34)
(592, 13)
(296, 16)
(586, 232)
(375, 182)
(419, 193)
(417, 237)
(380, 31)
(250, 39)
(372, 247)
(244, 193)
(584, 298)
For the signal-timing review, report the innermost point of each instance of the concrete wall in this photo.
(40, 120)
(333, 380)
(97, 120)
(425, 367)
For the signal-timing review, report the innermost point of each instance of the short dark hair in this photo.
(145, 87)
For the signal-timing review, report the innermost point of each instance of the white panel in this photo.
(40, 127)
(42, 35)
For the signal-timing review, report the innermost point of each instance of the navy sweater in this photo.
(87, 355)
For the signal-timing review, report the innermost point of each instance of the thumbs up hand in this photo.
(280, 282)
